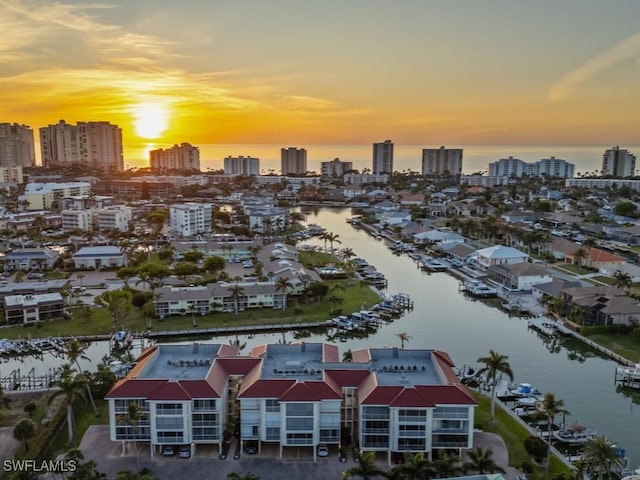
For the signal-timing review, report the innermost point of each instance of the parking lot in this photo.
(296, 462)
(205, 464)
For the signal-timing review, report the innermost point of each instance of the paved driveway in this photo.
(295, 464)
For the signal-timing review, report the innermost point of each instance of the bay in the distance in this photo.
(476, 158)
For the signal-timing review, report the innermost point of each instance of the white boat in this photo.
(479, 289)
(525, 390)
(629, 373)
(574, 434)
(436, 265)
(526, 411)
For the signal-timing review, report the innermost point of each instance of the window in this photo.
(299, 439)
(169, 409)
(272, 405)
(273, 434)
(204, 405)
(169, 423)
(299, 409)
(170, 437)
(299, 423)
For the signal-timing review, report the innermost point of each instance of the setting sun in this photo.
(151, 119)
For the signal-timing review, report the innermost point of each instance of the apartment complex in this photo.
(181, 157)
(295, 395)
(335, 168)
(190, 218)
(365, 178)
(618, 162)
(32, 308)
(441, 161)
(44, 196)
(11, 175)
(241, 166)
(514, 167)
(77, 220)
(293, 161)
(114, 218)
(383, 158)
(16, 145)
(94, 144)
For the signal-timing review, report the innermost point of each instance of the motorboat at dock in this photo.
(476, 288)
(574, 434)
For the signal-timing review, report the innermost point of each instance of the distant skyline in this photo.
(294, 73)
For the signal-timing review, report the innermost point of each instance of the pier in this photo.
(16, 381)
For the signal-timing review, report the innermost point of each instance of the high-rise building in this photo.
(177, 158)
(514, 167)
(383, 157)
(441, 161)
(16, 146)
(94, 144)
(293, 161)
(618, 163)
(187, 219)
(335, 168)
(241, 166)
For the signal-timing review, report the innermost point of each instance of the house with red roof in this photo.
(295, 395)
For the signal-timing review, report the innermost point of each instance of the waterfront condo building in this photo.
(187, 219)
(16, 146)
(441, 161)
(293, 161)
(183, 157)
(618, 163)
(295, 395)
(383, 158)
(241, 166)
(335, 168)
(514, 167)
(94, 144)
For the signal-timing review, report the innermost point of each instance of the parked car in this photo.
(168, 451)
(251, 448)
(184, 451)
(323, 450)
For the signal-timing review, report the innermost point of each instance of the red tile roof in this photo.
(382, 395)
(134, 388)
(238, 365)
(259, 351)
(330, 353)
(347, 378)
(265, 388)
(410, 397)
(171, 391)
(446, 394)
(227, 351)
(142, 361)
(299, 392)
(324, 391)
(361, 356)
(199, 389)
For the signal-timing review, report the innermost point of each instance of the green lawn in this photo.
(354, 297)
(574, 269)
(514, 436)
(624, 345)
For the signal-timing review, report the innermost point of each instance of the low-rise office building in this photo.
(95, 258)
(38, 259)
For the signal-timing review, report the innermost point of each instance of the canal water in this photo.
(444, 319)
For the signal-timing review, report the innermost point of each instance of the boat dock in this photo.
(16, 381)
(548, 327)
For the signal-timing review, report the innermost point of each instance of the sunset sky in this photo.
(327, 71)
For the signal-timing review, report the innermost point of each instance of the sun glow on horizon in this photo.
(151, 119)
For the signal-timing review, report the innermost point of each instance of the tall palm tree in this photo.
(447, 465)
(72, 386)
(601, 455)
(550, 407)
(367, 467)
(493, 364)
(579, 256)
(333, 237)
(481, 462)
(622, 280)
(25, 430)
(236, 292)
(347, 253)
(347, 356)
(75, 350)
(403, 338)
(283, 284)
(134, 415)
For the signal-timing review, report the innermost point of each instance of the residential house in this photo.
(459, 253)
(601, 305)
(35, 259)
(518, 277)
(500, 255)
(562, 248)
(597, 258)
(394, 218)
(96, 258)
(25, 309)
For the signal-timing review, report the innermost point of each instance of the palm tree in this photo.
(416, 467)
(347, 356)
(403, 338)
(622, 280)
(579, 256)
(24, 430)
(134, 415)
(72, 387)
(193, 309)
(236, 292)
(283, 284)
(480, 461)
(347, 253)
(550, 407)
(447, 465)
(73, 351)
(601, 455)
(367, 467)
(493, 364)
(333, 237)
